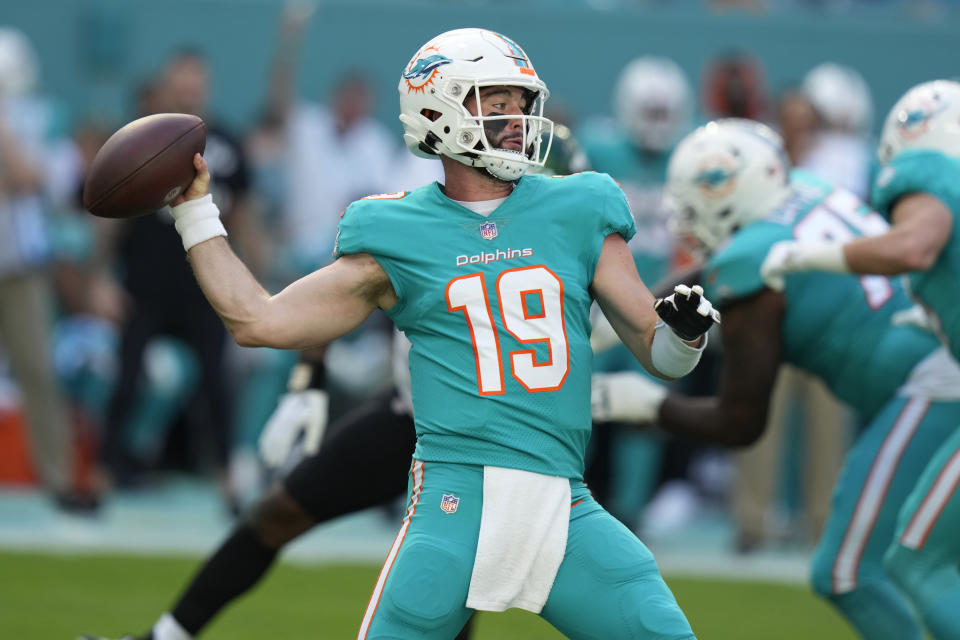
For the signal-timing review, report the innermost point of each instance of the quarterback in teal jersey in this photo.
(491, 276)
(918, 190)
(732, 189)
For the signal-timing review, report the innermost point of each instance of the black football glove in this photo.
(687, 312)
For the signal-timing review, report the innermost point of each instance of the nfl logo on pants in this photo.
(449, 503)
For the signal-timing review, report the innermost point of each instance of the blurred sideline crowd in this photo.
(114, 369)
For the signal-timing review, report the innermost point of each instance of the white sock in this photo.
(167, 628)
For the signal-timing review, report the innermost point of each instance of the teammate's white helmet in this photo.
(840, 95)
(725, 175)
(926, 117)
(18, 63)
(652, 102)
(439, 78)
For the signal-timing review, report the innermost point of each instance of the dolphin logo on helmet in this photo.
(717, 176)
(419, 73)
(915, 122)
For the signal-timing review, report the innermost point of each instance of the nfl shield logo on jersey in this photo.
(449, 503)
(488, 230)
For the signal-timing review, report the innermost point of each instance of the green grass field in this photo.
(44, 597)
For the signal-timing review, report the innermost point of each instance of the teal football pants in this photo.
(925, 556)
(880, 471)
(608, 585)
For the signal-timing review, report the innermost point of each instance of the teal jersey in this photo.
(937, 288)
(836, 326)
(497, 309)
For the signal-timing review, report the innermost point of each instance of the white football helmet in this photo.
(18, 63)
(652, 102)
(926, 117)
(723, 176)
(840, 95)
(439, 78)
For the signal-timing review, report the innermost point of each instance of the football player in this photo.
(730, 184)
(491, 276)
(917, 190)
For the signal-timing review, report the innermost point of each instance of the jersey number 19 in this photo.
(517, 290)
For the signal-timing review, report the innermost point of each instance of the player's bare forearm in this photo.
(737, 415)
(702, 419)
(625, 300)
(312, 311)
(231, 289)
(922, 226)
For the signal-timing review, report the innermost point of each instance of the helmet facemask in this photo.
(484, 131)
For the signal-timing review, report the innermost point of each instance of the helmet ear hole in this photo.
(430, 114)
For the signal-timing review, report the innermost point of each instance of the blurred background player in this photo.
(729, 184)
(840, 149)
(916, 190)
(734, 85)
(27, 126)
(164, 299)
(802, 411)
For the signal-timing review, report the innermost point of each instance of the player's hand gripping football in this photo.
(687, 312)
(200, 185)
(300, 417)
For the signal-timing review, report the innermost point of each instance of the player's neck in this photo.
(469, 184)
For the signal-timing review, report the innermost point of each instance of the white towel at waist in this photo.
(523, 538)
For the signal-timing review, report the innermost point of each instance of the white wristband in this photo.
(821, 256)
(197, 220)
(671, 355)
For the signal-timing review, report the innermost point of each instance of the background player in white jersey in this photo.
(728, 182)
(917, 189)
(490, 447)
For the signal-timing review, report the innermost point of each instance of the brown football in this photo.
(144, 165)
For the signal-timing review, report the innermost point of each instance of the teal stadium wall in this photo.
(94, 52)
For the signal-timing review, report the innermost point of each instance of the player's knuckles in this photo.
(429, 583)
